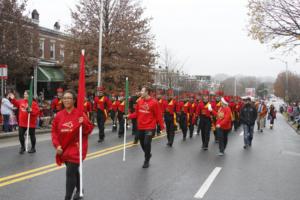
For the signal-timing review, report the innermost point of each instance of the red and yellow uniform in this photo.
(102, 104)
(87, 108)
(184, 117)
(204, 113)
(56, 105)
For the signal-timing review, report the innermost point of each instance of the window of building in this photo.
(62, 53)
(52, 50)
(42, 48)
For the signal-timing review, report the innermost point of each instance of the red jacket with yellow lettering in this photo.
(65, 133)
(148, 114)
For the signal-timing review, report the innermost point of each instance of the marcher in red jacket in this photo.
(56, 104)
(204, 110)
(223, 124)
(88, 108)
(65, 138)
(102, 105)
(148, 114)
(24, 110)
(161, 102)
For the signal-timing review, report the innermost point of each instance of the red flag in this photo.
(81, 84)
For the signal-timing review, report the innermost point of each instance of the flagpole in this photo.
(80, 156)
(125, 122)
(27, 133)
(29, 102)
(80, 160)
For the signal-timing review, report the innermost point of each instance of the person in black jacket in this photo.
(248, 116)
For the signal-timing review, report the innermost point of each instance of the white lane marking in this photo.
(242, 133)
(291, 153)
(204, 188)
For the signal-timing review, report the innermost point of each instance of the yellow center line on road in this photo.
(8, 180)
(52, 165)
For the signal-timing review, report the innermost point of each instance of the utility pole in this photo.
(100, 43)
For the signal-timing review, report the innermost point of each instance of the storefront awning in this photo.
(50, 74)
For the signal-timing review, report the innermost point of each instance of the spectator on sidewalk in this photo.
(290, 112)
(295, 112)
(272, 115)
(261, 115)
(6, 111)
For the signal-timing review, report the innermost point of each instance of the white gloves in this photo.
(209, 107)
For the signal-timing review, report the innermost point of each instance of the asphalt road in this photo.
(268, 171)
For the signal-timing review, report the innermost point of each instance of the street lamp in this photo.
(286, 77)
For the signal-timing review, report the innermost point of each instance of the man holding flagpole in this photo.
(28, 114)
(148, 114)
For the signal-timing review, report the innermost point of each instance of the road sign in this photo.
(3, 71)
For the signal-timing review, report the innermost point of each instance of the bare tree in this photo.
(18, 42)
(276, 22)
(293, 89)
(128, 45)
(173, 69)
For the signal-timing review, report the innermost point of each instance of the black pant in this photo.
(183, 123)
(72, 179)
(113, 118)
(100, 121)
(121, 123)
(205, 126)
(223, 138)
(134, 127)
(170, 127)
(199, 127)
(145, 137)
(22, 131)
(191, 126)
(158, 129)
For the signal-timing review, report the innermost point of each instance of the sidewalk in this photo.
(43, 130)
(16, 133)
(294, 126)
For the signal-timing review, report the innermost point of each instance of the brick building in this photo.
(49, 72)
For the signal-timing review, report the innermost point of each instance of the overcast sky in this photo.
(208, 36)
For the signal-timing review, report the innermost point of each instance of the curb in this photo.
(38, 131)
(16, 133)
(291, 125)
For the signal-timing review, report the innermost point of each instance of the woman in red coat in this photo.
(24, 110)
(65, 138)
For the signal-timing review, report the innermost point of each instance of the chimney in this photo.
(35, 16)
(57, 26)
